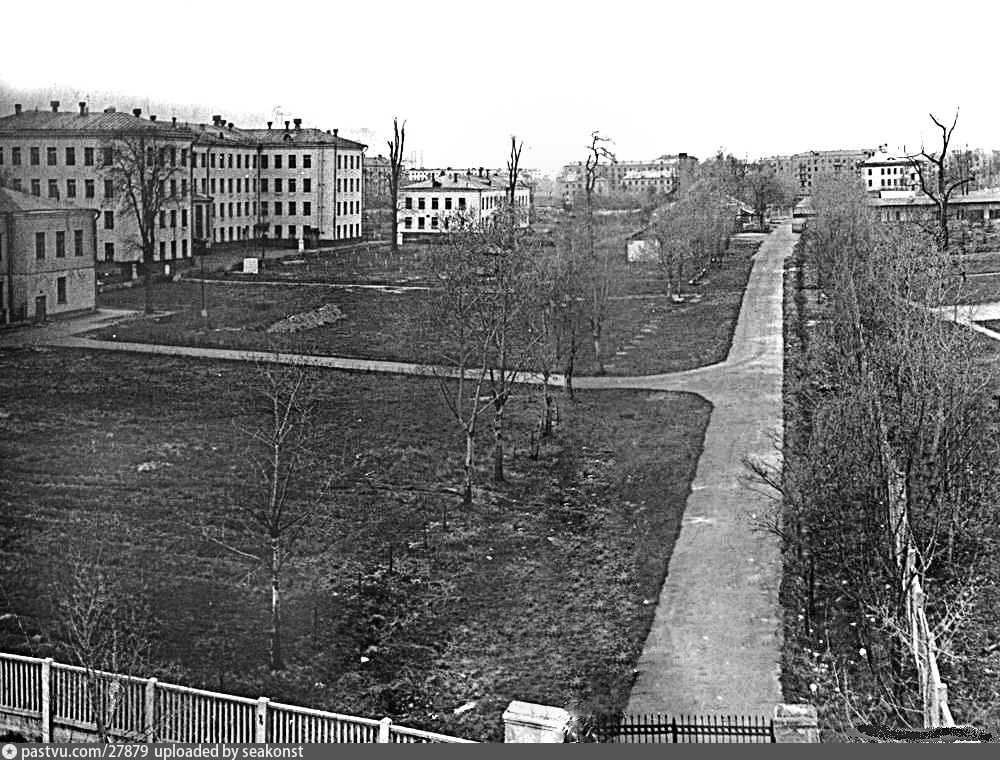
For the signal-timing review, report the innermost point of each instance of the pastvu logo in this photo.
(9, 751)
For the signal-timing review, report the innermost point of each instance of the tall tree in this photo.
(601, 264)
(141, 163)
(763, 187)
(937, 182)
(395, 173)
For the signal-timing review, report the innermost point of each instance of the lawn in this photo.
(542, 591)
(389, 324)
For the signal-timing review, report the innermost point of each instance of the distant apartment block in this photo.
(46, 257)
(226, 184)
(661, 175)
(456, 200)
(801, 170)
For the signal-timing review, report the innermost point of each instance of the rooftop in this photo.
(16, 201)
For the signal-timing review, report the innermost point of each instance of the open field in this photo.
(543, 591)
(389, 324)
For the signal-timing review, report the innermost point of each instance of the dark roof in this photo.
(301, 137)
(16, 201)
(465, 182)
(69, 121)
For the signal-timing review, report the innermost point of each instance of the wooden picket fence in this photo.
(54, 701)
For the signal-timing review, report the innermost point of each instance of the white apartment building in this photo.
(889, 173)
(449, 201)
(225, 184)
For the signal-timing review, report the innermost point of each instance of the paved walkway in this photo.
(715, 643)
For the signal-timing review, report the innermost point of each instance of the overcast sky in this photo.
(757, 78)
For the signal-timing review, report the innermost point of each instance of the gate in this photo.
(687, 729)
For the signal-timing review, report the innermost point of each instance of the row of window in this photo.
(60, 237)
(422, 203)
(173, 218)
(174, 157)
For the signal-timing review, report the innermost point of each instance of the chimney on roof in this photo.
(109, 109)
(55, 105)
(230, 125)
(269, 124)
(137, 112)
(286, 125)
(152, 117)
(173, 120)
(17, 108)
(335, 133)
(298, 123)
(83, 107)
(480, 171)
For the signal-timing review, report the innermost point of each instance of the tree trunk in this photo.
(276, 660)
(470, 461)
(498, 406)
(547, 409)
(596, 335)
(568, 371)
(147, 277)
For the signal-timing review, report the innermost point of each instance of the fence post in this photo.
(383, 730)
(260, 723)
(796, 724)
(527, 723)
(149, 711)
(46, 700)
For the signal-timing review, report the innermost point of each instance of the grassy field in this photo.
(542, 591)
(388, 325)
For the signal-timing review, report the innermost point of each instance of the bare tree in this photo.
(601, 264)
(395, 173)
(936, 181)
(762, 187)
(142, 165)
(284, 477)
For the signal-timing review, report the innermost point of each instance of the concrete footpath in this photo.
(715, 643)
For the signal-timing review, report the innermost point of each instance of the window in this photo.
(211, 157)
(263, 184)
(434, 204)
(263, 208)
(184, 248)
(109, 251)
(184, 188)
(277, 230)
(39, 245)
(277, 162)
(230, 165)
(421, 204)
(163, 220)
(15, 156)
(173, 218)
(307, 209)
(78, 242)
(1, 156)
(173, 188)
(461, 204)
(53, 188)
(230, 210)
(184, 217)
(184, 157)
(239, 160)
(109, 220)
(246, 208)
(173, 249)
(61, 290)
(163, 250)
(60, 245)
(277, 208)
(213, 185)
(291, 161)
(70, 156)
(307, 185)
(239, 185)
(291, 185)
(109, 188)
(291, 230)
(229, 185)
(263, 162)
(434, 222)
(408, 222)
(71, 188)
(447, 204)
(408, 203)
(277, 184)
(107, 155)
(307, 161)
(420, 222)
(340, 164)
(50, 156)
(88, 188)
(291, 208)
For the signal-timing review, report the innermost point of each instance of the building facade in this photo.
(800, 170)
(222, 184)
(661, 175)
(47, 257)
(456, 200)
(886, 172)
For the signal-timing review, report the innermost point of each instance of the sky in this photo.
(754, 78)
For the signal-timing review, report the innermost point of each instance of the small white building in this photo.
(450, 201)
(888, 172)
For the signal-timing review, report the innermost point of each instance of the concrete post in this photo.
(46, 700)
(796, 724)
(149, 711)
(260, 722)
(527, 723)
(383, 730)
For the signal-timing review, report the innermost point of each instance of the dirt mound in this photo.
(307, 320)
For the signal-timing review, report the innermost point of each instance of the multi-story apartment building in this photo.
(446, 201)
(801, 169)
(886, 172)
(222, 184)
(664, 174)
(377, 177)
(46, 257)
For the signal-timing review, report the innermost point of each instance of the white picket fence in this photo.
(69, 699)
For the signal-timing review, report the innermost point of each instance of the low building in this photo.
(456, 200)
(47, 255)
(976, 207)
